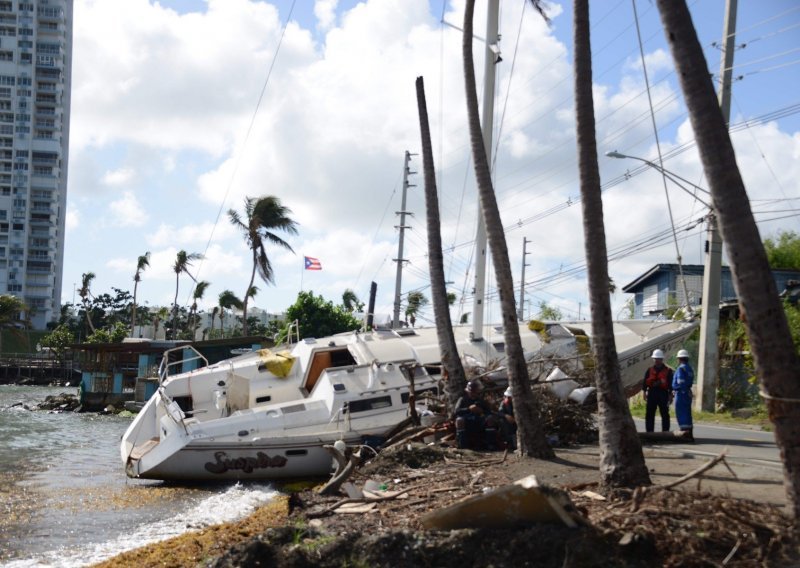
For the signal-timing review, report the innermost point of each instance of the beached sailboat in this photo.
(268, 415)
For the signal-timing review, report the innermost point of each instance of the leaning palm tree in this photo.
(262, 218)
(350, 301)
(526, 408)
(621, 459)
(451, 362)
(227, 301)
(183, 261)
(141, 264)
(197, 294)
(774, 354)
(85, 294)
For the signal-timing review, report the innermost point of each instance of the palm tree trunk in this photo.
(456, 378)
(526, 407)
(775, 358)
(133, 309)
(175, 308)
(247, 294)
(621, 459)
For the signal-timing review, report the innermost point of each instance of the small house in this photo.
(661, 288)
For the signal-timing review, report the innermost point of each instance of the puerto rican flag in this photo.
(312, 263)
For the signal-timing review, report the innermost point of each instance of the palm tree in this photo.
(451, 362)
(350, 301)
(621, 459)
(11, 310)
(526, 407)
(214, 313)
(141, 264)
(262, 217)
(197, 294)
(414, 302)
(183, 261)
(227, 300)
(775, 358)
(85, 294)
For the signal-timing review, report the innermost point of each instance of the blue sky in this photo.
(168, 132)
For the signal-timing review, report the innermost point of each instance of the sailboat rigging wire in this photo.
(660, 158)
(244, 142)
(508, 90)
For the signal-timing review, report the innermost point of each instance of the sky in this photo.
(183, 108)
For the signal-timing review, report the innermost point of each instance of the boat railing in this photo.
(293, 331)
(166, 365)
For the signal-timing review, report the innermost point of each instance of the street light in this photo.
(673, 177)
(708, 360)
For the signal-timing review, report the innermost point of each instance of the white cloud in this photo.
(118, 177)
(325, 11)
(127, 211)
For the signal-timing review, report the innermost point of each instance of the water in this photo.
(65, 500)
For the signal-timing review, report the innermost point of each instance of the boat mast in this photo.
(491, 58)
(402, 226)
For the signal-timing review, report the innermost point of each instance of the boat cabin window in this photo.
(501, 347)
(370, 404)
(296, 452)
(260, 399)
(324, 360)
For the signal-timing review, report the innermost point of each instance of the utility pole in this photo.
(708, 361)
(492, 57)
(521, 309)
(402, 226)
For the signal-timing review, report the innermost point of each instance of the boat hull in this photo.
(274, 459)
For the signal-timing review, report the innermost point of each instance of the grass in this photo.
(760, 419)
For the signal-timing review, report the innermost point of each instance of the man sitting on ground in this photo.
(476, 427)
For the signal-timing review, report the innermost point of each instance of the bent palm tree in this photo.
(774, 354)
(350, 301)
(227, 300)
(621, 459)
(451, 362)
(141, 264)
(262, 217)
(526, 407)
(183, 261)
(85, 294)
(199, 291)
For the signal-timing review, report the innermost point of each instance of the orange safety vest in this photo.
(658, 378)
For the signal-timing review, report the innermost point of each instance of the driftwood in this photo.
(408, 371)
(698, 471)
(345, 465)
(478, 463)
(341, 502)
(404, 436)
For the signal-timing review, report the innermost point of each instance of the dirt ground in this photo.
(732, 514)
(714, 519)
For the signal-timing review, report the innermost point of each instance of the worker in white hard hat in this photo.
(657, 387)
(508, 424)
(682, 382)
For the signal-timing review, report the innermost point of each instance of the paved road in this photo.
(741, 445)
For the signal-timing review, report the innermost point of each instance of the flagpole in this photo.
(302, 272)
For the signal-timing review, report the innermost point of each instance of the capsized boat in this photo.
(268, 415)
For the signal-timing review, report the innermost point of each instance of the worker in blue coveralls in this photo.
(682, 382)
(657, 387)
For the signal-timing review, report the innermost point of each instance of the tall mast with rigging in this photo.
(491, 58)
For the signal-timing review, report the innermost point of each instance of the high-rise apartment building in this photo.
(35, 77)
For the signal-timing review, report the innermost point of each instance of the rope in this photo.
(766, 396)
(244, 143)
